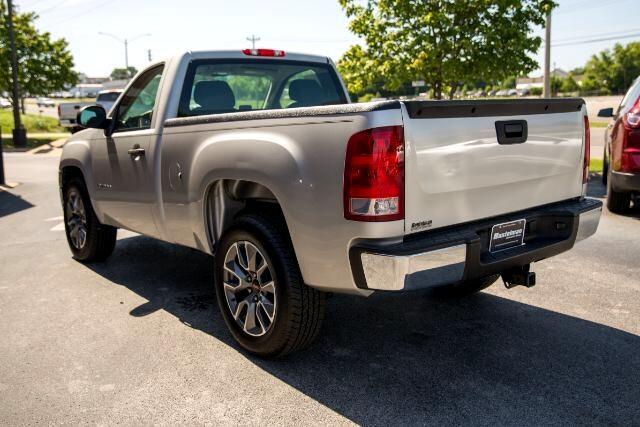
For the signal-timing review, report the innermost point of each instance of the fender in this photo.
(77, 153)
(263, 157)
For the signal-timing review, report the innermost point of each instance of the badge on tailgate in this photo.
(507, 235)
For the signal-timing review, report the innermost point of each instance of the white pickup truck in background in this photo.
(258, 158)
(68, 111)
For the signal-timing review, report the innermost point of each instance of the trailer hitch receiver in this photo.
(519, 276)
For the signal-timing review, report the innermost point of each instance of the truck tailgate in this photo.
(456, 170)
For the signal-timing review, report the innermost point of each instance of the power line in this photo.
(602, 39)
(35, 3)
(575, 9)
(613, 34)
(52, 7)
(83, 13)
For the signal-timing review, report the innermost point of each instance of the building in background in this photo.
(538, 82)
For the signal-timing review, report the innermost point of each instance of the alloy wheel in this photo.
(76, 219)
(249, 288)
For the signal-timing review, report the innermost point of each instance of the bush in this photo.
(537, 91)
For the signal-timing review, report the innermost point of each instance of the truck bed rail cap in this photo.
(328, 110)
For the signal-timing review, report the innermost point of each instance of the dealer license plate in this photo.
(507, 235)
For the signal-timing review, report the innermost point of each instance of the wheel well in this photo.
(69, 172)
(228, 199)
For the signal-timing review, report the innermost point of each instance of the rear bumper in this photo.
(461, 253)
(625, 181)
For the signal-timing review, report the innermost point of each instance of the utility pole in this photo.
(547, 57)
(253, 39)
(149, 55)
(19, 133)
(126, 56)
(126, 42)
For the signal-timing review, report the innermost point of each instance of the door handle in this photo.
(512, 132)
(136, 151)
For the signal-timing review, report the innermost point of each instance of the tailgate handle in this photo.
(511, 132)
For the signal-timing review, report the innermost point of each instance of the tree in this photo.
(447, 43)
(123, 73)
(556, 84)
(612, 70)
(569, 84)
(509, 83)
(45, 65)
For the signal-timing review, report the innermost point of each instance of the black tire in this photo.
(100, 239)
(470, 287)
(617, 202)
(300, 309)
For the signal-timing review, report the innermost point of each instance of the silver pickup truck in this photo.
(258, 158)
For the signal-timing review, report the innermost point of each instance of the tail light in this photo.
(630, 156)
(632, 117)
(263, 52)
(587, 151)
(374, 175)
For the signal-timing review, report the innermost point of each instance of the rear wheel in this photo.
(617, 202)
(263, 301)
(466, 288)
(88, 239)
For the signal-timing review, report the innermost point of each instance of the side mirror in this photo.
(92, 116)
(605, 112)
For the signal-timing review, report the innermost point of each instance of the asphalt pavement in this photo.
(138, 339)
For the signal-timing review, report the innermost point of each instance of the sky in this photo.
(310, 26)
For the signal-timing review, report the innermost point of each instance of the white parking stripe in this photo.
(59, 227)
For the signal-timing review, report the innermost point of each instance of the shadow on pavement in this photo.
(11, 203)
(411, 358)
(596, 188)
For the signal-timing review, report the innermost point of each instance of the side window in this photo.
(136, 108)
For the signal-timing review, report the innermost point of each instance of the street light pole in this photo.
(547, 57)
(19, 134)
(126, 42)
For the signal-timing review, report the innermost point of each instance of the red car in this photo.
(621, 171)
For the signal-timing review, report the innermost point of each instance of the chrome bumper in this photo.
(448, 265)
(396, 273)
(588, 223)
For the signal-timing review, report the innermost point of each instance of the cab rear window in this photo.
(226, 86)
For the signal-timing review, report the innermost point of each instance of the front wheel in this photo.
(88, 239)
(263, 301)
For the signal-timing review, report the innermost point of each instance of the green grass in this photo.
(598, 124)
(595, 165)
(33, 123)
